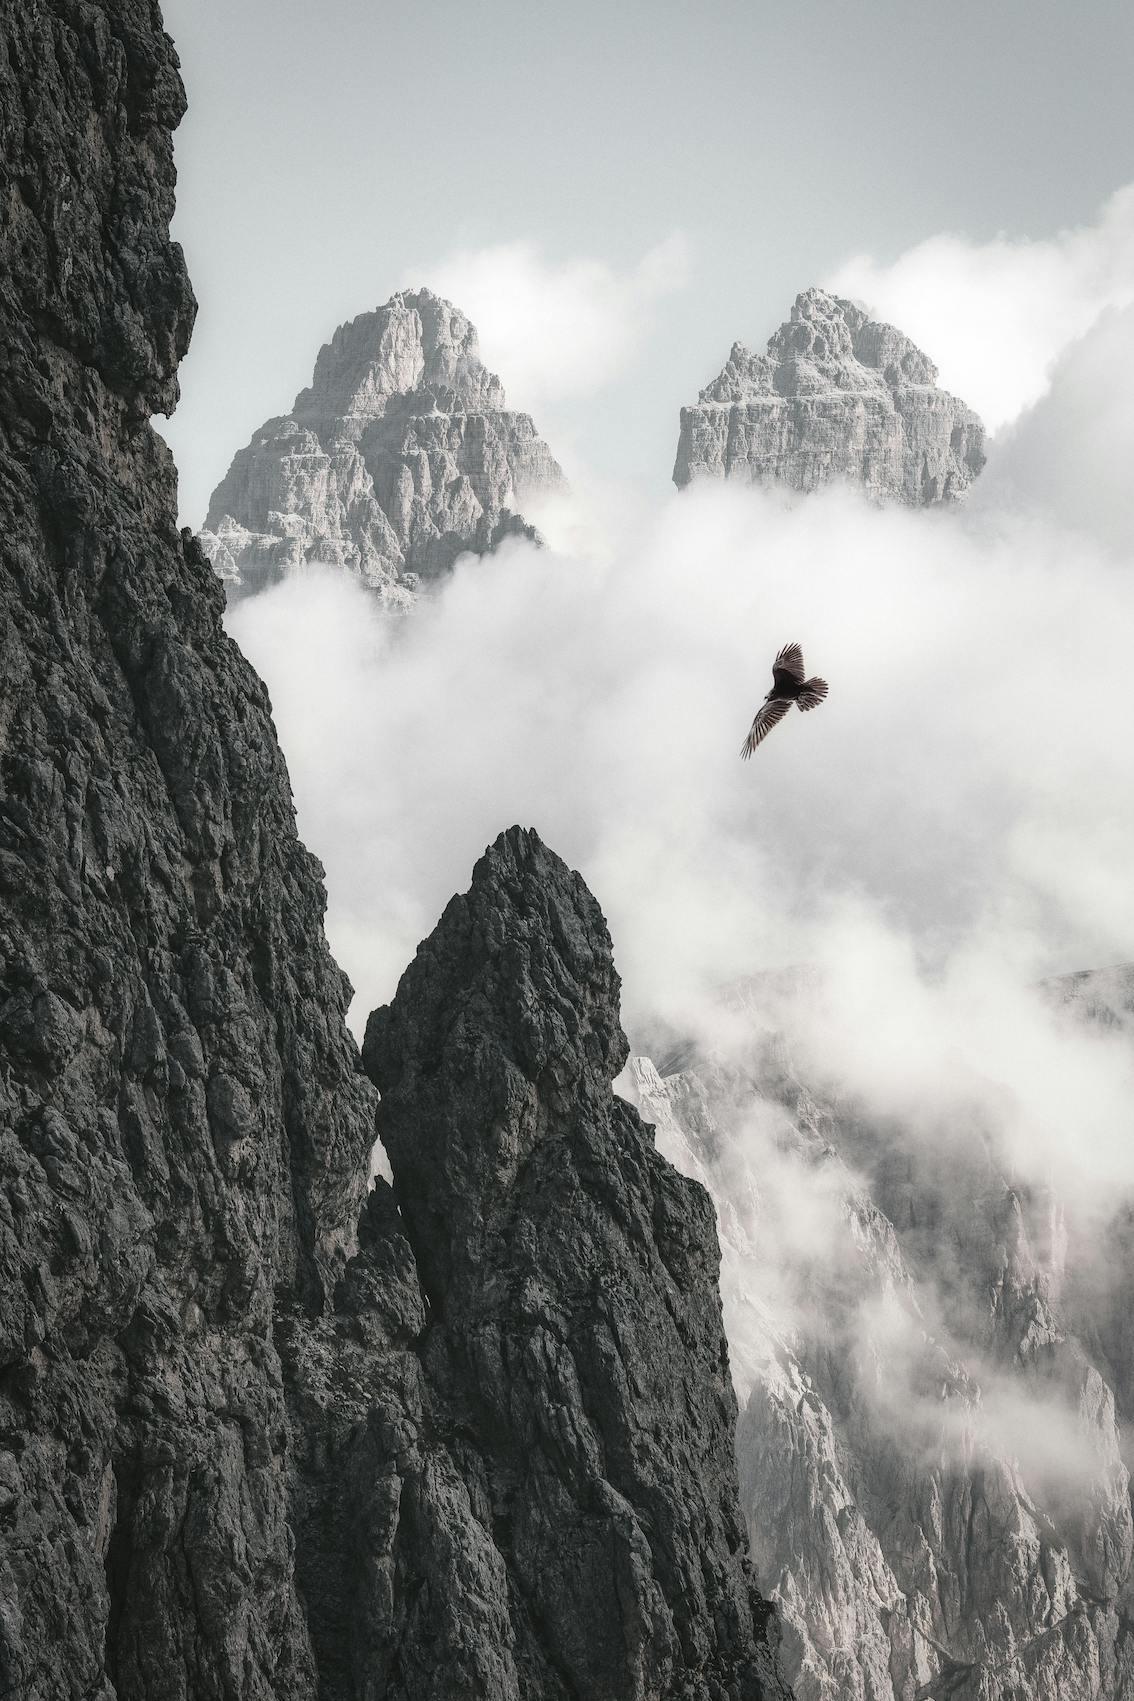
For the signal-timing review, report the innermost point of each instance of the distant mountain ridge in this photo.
(401, 455)
(838, 395)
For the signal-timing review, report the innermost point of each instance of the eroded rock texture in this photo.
(247, 1451)
(183, 1125)
(837, 396)
(936, 1404)
(575, 1351)
(400, 456)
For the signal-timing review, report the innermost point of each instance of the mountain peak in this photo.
(417, 343)
(837, 395)
(399, 456)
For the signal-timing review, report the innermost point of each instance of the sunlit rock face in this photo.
(400, 456)
(838, 396)
(936, 1390)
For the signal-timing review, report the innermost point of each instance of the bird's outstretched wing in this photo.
(813, 693)
(767, 716)
(788, 669)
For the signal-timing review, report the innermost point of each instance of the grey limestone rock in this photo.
(837, 396)
(400, 456)
(1102, 997)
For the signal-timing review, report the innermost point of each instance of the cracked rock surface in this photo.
(400, 456)
(183, 1124)
(837, 396)
(575, 1350)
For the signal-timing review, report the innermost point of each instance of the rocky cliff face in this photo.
(182, 1121)
(263, 1436)
(935, 1412)
(400, 456)
(499, 1492)
(837, 396)
(183, 1125)
(574, 1353)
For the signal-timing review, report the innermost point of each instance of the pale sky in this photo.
(335, 153)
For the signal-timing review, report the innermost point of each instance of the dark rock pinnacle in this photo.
(575, 1348)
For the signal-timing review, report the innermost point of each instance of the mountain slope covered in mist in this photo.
(935, 1396)
(400, 456)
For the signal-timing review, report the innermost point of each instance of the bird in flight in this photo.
(788, 686)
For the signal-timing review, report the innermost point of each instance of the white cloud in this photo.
(954, 817)
(1071, 453)
(970, 1059)
(995, 316)
(555, 329)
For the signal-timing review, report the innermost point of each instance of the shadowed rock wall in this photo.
(575, 1350)
(247, 1451)
(183, 1126)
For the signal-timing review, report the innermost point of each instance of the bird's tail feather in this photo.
(813, 693)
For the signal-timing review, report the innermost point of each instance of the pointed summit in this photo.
(838, 395)
(575, 1351)
(400, 456)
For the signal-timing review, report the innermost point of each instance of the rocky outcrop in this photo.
(265, 1436)
(574, 1354)
(936, 1400)
(838, 396)
(400, 456)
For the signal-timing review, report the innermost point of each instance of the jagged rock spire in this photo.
(400, 456)
(575, 1344)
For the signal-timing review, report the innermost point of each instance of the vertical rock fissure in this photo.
(118, 1564)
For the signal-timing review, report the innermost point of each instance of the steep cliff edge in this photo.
(401, 455)
(837, 396)
(183, 1125)
(254, 1443)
